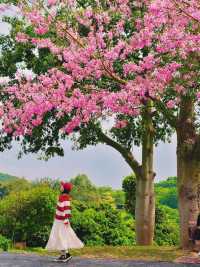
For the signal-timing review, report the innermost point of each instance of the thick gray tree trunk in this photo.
(188, 169)
(145, 197)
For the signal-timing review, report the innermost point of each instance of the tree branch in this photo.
(180, 8)
(126, 154)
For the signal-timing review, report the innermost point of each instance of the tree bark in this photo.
(188, 169)
(188, 180)
(145, 197)
(145, 211)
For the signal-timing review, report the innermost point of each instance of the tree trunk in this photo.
(145, 197)
(145, 211)
(188, 169)
(188, 180)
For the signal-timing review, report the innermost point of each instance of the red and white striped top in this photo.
(63, 209)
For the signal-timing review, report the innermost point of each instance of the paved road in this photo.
(18, 260)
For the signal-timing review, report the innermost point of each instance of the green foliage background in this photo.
(101, 215)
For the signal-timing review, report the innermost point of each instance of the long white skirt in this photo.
(63, 237)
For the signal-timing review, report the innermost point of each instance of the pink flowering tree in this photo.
(118, 60)
(50, 126)
(180, 39)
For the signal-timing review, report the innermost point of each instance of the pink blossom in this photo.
(198, 96)
(37, 122)
(72, 125)
(22, 38)
(171, 104)
(52, 2)
(148, 62)
(121, 124)
(1, 112)
(41, 30)
(179, 88)
(8, 130)
(131, 68)
(109, 70)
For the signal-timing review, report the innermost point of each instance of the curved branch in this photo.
(126, 154)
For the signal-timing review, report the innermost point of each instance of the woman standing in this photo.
(62, 237)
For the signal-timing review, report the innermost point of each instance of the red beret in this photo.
(67, 186)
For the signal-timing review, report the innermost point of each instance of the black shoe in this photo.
(68, 257)
(60, 258)
(64, 258)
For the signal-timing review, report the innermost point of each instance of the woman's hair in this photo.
(65, 191)
(198, 220)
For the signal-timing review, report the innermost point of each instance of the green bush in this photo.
(28, 215)
(16, 185)
(167, 226)
(129, 187)
(102, 225)
(4, 243)
(166, 192)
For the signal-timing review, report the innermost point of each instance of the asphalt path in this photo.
(31, 260)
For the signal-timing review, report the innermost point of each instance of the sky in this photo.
(102, 164)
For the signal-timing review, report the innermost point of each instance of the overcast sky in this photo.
(102, 164)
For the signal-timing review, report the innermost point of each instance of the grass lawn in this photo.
(154, 253)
